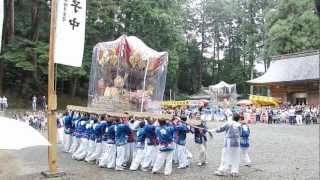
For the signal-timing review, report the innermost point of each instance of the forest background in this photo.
(207, 40)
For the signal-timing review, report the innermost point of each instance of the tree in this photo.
(292, 26)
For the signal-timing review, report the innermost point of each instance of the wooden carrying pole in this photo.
(52, 97)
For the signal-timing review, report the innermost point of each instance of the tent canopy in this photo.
(220, 85)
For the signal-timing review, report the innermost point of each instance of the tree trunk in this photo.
(61, 86)
(251, 46)
(74, 87)
(202, 51)
(8, 34)
(35, 20)
(35, 26)
(251, 77)
(213, 62)
(9, 22)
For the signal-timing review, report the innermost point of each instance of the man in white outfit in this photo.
(81, 152)
(99, 129)
(108, 158)
(68, 130)
(165, 154)
(151, 145)
(76, 136)
(230, 156)
(139, 145)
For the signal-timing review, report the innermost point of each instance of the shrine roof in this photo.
(291, 68)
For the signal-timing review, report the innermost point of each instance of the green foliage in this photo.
(293, 26)
(207, 40)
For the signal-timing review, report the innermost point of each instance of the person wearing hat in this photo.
(199, 129)
(151, 145)
(164, 134)
(230, 155)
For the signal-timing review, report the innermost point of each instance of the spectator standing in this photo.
(5, 102)
(291, 115)
(299, 115)
(34, 103)
(43, 102)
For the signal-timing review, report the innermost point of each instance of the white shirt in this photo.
(5, 100)
(291, 112)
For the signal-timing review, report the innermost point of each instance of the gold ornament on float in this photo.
(112, 57)
(149, 90)
(101, 86)
(118, 82)
(142, 64)
(110, 91)
(102, 56)
(135, 59)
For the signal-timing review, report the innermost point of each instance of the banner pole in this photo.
(52, 97)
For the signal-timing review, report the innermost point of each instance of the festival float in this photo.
(223, 94)
(127, 75)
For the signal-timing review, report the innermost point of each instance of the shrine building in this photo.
(294, 78)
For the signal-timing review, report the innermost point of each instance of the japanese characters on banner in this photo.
(70, 32)
(1, 21)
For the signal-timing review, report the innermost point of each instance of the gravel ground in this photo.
(277, 152)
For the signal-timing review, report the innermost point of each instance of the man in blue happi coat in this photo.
(165, 136)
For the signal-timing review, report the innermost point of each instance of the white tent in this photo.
(223, 94)
(223, 88)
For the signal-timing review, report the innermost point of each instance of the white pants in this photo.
(109, 156)
(163, 158)
(299, 119)
(202, 152)
(103, 150)
(138, 158)
(230, 157)
(67, 142)
(189, 154)
(60, 135)
(245, 156)
(103, 161)
(91, 148)
(175, 158)
(96, 154)
(182, 156)
(34, 106)
(129, 152)
(150, 156)
(75, 144)
(81, 152)
(121, 155)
